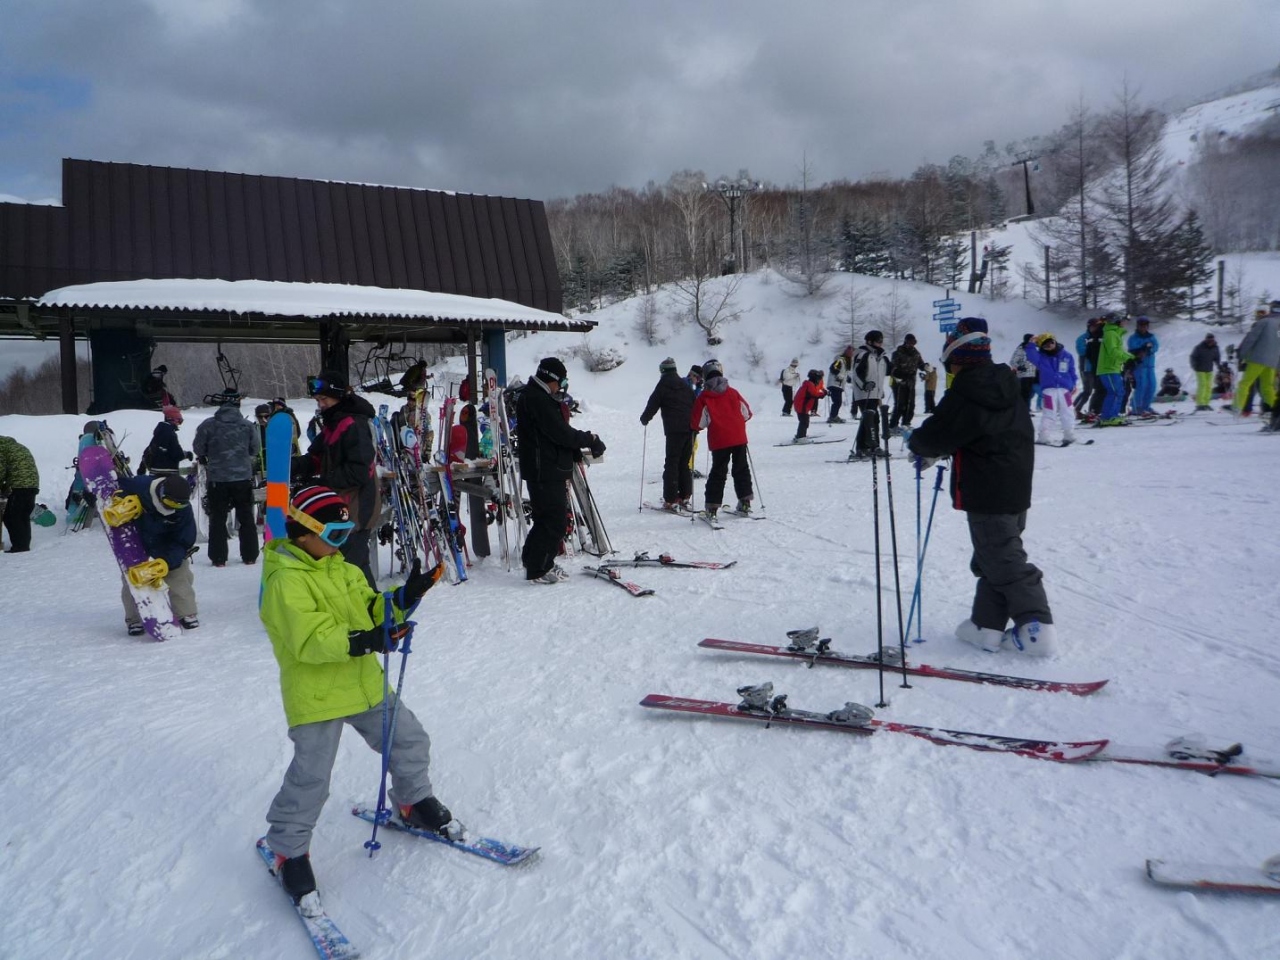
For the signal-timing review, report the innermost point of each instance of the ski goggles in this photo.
(334, 534)
(319, 384)
(172, 504)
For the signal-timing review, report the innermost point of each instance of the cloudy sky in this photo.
(560, 97)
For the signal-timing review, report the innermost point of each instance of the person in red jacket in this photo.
(806, 402)
(723, 413)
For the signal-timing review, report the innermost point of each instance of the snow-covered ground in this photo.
(137, 775)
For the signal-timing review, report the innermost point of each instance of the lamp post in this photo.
(733, 192)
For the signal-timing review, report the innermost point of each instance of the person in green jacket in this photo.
(1111, 360)
(324, 621)
(19, 485)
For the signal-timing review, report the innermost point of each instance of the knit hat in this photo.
(169, 494)
(712, 368)
(873, 336)
(667, 366)
(171, 412)
(1045, 338)
(552, 370)
(909, 338)
(795, 361)
(319, 504)
(329, 383)
(696, 370)
(969, 344)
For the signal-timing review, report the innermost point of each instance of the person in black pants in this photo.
(984, 424)
(228, 445)
(547, 447)
(674, 398)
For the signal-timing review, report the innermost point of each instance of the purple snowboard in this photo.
(126, 543)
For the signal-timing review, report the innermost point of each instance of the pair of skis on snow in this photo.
(611, 573)
(329, 941)
(1181, 753)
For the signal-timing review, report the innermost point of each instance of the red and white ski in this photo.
(612, 576)
(1213, 878)
(822, 654)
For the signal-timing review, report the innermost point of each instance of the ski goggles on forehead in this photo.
(316, 384)
(334, 534)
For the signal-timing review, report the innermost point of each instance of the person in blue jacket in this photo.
(168, 530)
(1143, 345)
(1057, 370)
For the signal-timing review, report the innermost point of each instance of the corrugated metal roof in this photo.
(122, 221)
(310, 300)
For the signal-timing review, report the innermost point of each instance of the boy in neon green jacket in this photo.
(1111, 360)
(324, 621)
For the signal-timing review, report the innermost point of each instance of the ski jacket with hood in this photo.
(341, 457)
(790, 376)
(984, 425)
(309, 607)
(1057, 369)
(229, 445)
(722, 412)
(807, 397)
(1262, 343)
(17, 467)
(167, 533)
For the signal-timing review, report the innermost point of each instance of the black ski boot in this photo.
(296, 876)
(431, 815)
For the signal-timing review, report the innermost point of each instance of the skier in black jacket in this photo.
(341, 457)
(674, 397)
(547, 448)
(984, 425)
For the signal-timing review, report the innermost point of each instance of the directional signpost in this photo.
(945, 314)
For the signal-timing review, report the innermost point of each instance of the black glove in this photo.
(375, 640)
(419, 583)
(188, 455)
(597, 447)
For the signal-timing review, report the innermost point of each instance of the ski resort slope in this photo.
(136, 776)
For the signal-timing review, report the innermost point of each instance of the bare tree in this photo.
(648, 322)
(808, 261)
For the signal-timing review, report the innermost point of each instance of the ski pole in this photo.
(916, 601)
(916, 595)
(755, 478)
(644, 453)
(390, 712)
(875, 526)
(893, 542)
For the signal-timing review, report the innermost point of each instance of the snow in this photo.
(137, 775)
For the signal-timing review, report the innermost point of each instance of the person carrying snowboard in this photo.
(984, 425)
(168, 531)
(325, 624)
(723, 413)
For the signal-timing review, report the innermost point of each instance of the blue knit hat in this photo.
(969, 344)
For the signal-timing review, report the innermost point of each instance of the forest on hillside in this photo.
(1128, 229)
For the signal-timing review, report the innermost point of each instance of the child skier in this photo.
(806, 402)
(324, 620)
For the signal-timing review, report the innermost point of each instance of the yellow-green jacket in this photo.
(1112, 355)
(308, 607)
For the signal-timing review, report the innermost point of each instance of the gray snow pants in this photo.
(182, 593)
(297, 806)
(1010, 587)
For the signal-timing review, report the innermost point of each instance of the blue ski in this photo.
(507, 854)
(329, 941)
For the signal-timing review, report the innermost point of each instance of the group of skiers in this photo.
(872, 382)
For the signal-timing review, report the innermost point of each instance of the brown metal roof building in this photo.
(121, 222)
